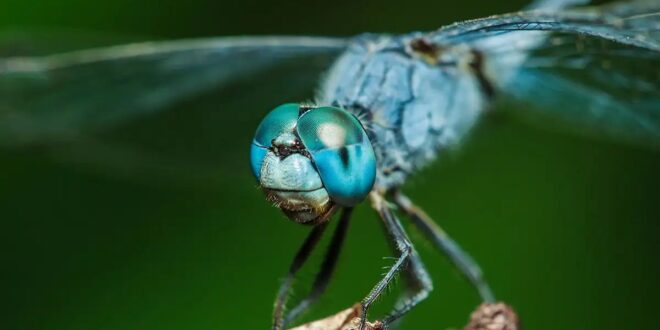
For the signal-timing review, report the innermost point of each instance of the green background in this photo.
(564, 227)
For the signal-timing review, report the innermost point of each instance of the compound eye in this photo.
(280, 120)
(341, 152)
(328, 128)
(257, 155)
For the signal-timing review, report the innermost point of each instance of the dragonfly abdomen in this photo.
(410, 108)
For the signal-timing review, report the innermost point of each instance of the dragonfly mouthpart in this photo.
(304, 207)
(293, 184)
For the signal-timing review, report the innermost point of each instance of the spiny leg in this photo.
(325, 273)
(419, 285)
(417, 281)
(403, 246)
(459, 258)
(299, 260)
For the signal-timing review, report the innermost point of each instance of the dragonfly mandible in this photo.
(388, 106)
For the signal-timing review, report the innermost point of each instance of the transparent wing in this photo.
(590, 86)
(634, 23)
(41, 41)
(61, 96)
(594, 70)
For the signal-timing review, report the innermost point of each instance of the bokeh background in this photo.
(178, 236)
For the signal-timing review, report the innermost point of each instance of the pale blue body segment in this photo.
(407, 105)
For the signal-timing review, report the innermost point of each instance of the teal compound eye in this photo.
(341, 152)
(280, 120)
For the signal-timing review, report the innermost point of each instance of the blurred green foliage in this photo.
(564, 227)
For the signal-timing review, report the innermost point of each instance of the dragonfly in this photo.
(387, 106)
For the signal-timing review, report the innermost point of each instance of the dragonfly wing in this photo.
(594, 70)
(590, 86)
(555, 4)
(59, 96)
(634, 23)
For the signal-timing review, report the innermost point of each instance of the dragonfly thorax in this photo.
(412, 108)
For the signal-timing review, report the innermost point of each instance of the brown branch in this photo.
(496, 316)
(348, 319)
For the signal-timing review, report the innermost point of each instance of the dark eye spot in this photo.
(343, 155)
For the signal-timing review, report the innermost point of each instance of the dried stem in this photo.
(495, 316)
(348, 319)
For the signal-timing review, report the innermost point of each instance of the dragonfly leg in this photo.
(405, 250)
(298, 261)
(459, 258)
(419, 285)
(325, 273)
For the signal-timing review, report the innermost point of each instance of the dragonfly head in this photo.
(309, 160)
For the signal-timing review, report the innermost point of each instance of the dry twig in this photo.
(496, 316)
(348, 319)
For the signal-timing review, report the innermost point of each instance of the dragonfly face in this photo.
(310, 159)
